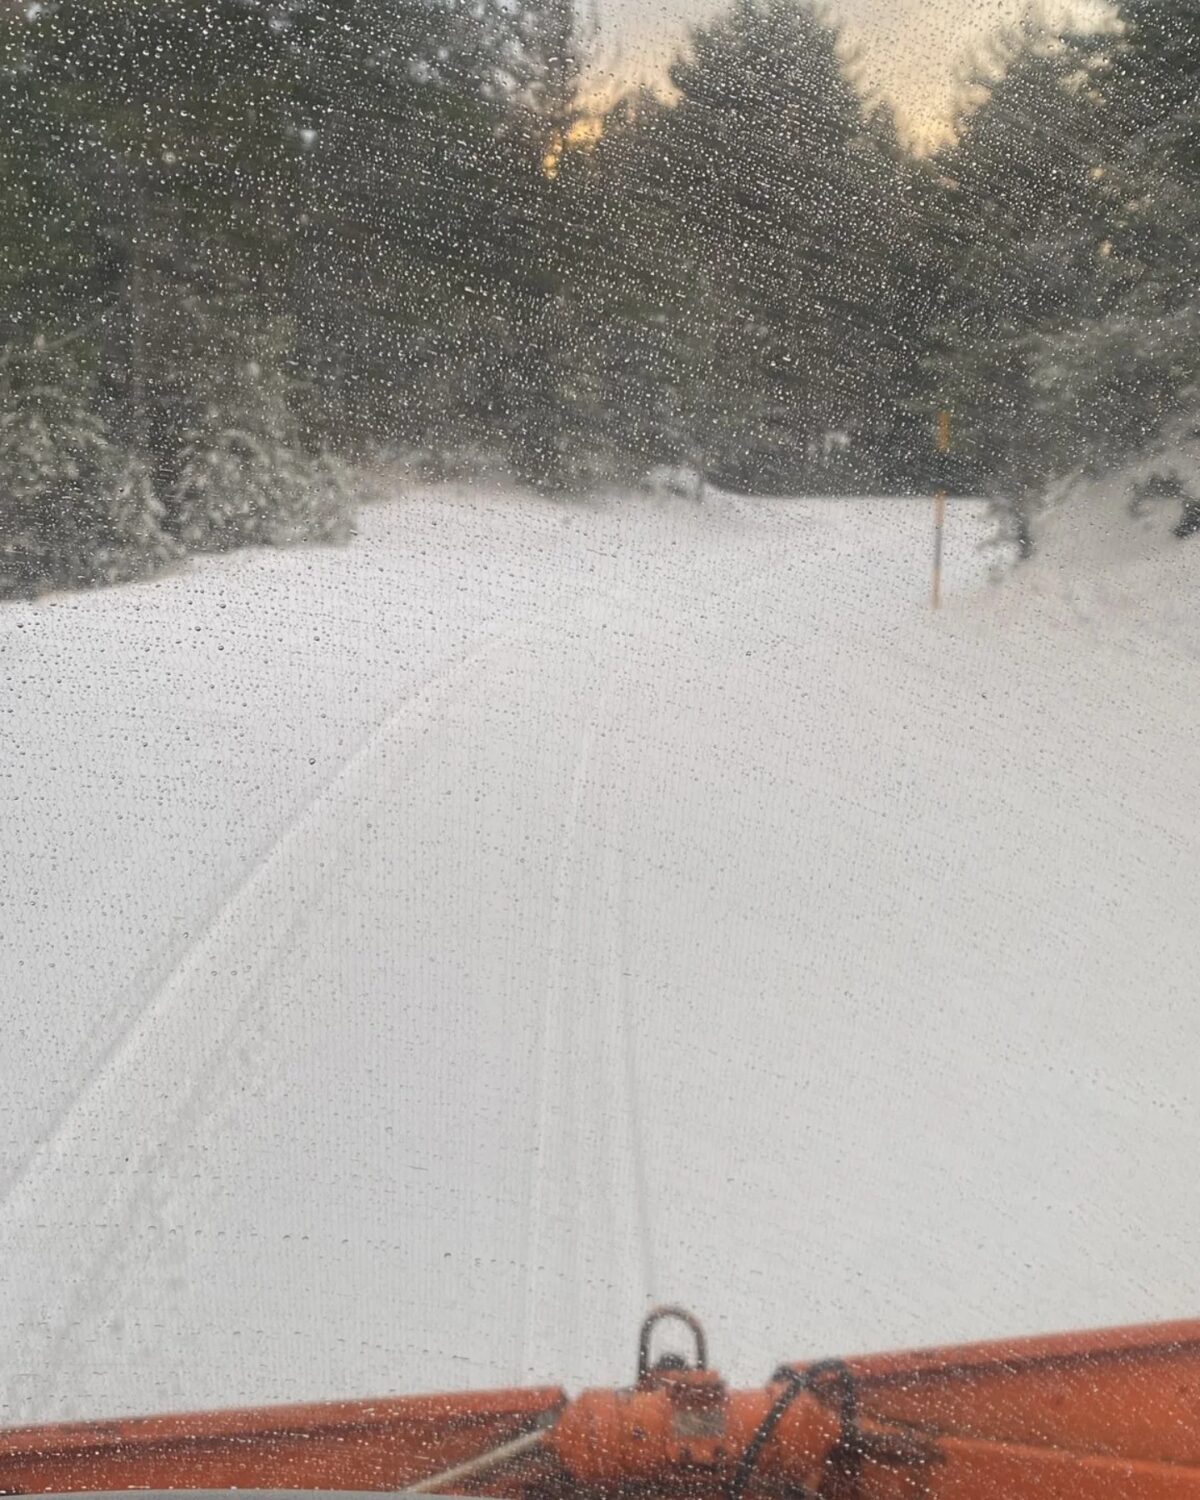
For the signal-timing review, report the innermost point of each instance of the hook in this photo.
(651, 1321)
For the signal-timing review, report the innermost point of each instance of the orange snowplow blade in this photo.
(1119, 1392)
(1110, 1415)
(350, 1445)
(1107, 1415)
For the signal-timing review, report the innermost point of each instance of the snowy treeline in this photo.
(244, 243)
(1074, 307)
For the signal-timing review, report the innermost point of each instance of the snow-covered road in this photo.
(419, 955)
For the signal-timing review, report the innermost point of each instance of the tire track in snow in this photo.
(587, 1138)
(41, 1195)
(112, 1266)
(100, 1280)
(552, 1050)
(634, 1123)
(568, 1117)
(182, 955)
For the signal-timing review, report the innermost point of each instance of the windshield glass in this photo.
(598, 627)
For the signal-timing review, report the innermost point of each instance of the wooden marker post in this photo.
(939, 511)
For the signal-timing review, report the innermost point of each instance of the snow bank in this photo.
(1116, 572)
(420, 955)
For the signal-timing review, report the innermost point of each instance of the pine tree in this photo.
(1020, 224)
(900, 292)
(768, 155)
(1126, 384)
(403, 297)
(161, 143)
(243, 473)
(545, 249)
(644, 308)
(76, 508)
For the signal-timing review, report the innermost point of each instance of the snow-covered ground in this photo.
(417, 956)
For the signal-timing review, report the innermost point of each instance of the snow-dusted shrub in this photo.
(676, 479)
(76, 507)
(242, 474)
(1171, 468)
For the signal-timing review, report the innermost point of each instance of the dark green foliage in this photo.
(1072, 226)
(241, 473)
(159, 147)
(76, 507)
(268, 230)
(1020, 220)
(739, 294)
(1127, 376)
(774, 178)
